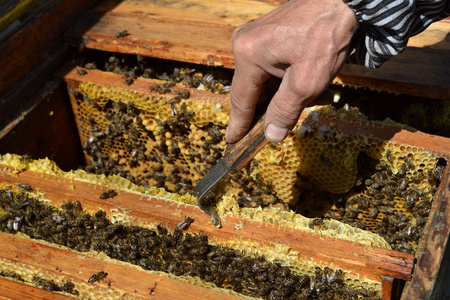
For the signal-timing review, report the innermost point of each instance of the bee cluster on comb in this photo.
(177, 253)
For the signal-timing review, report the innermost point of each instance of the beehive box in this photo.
(132, 127)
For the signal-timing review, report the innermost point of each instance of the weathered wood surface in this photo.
(195, 31)
(128, 282)
(371, 263)
(199, 31)
(432, 247)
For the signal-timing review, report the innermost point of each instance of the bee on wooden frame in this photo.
(81, 72)
(122, 33)
(25, 187)
(183, 225)
(25, 158)
(97, 277)
(108, 194)
(129, 81)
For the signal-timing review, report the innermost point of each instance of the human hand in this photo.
(300, 47)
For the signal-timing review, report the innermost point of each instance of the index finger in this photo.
(246, 89)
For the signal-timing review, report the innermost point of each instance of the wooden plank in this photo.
(386, 288)
(432, 248)
(56, 136)
(38, 37)
(441, 289)
(405, 74)
(17, 291)
(131, 283)
(199, 31)
(355, 258)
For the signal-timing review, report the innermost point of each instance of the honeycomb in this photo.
(155, 141)
(168, 140)
(264, 274)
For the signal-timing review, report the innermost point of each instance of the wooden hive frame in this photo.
(368, 262)
(435, 144)
(115, 16)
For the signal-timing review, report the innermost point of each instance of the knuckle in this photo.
(245, 45)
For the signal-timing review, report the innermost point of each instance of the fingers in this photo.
(245, 93)
(246, 89)
(287, 104)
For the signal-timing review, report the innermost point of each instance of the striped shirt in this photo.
(386, 25)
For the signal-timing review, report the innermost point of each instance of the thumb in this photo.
(286, 106)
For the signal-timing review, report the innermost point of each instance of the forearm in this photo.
(386, 25)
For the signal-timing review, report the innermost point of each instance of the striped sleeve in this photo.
(386, 25)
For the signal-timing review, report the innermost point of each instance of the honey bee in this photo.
(386, 210)
(25, 187)
(162, 230)
(352, 212)
(108, 194)
(10, 274)
(411, 199)
(381, 166)
(438, 173)
(153, 288)
(91, 65)
(46, 285)
(418, 177)
(77, 206)
(402, 170)
(183, 225)
(315, 222)
(360, 225)
(389, 155)
(97, 277)
(122, 33)
(184, 94)
(408, 162)
(368, 182)
(129, 81)
(363, 203)
(373, 213)
(25, 158)
(81, 72)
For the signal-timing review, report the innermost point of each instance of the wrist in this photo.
(352, 14)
